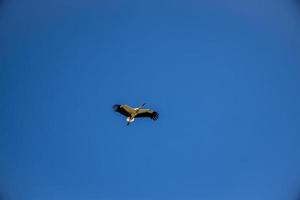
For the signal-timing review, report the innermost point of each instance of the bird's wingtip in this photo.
(115, 107)
(155, 116)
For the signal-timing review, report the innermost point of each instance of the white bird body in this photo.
(128, 119)
(132, 113)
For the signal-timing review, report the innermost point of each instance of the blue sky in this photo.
(224, 77)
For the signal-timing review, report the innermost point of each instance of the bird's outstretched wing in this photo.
(123, 109)
(147, 113)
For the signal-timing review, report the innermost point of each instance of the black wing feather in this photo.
(153, 115)
(121, 110)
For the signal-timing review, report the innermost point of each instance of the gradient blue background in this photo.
(224, 76)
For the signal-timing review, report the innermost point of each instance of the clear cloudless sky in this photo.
(224, 76)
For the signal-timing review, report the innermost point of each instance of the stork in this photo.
(132, 113)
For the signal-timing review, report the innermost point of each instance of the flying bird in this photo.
(132, 113)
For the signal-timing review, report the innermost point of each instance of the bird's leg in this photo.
(142, 105)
